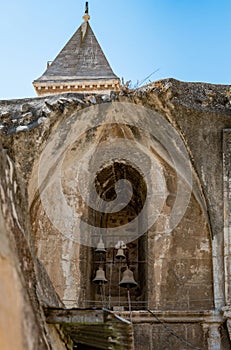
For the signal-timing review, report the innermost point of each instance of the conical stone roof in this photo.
(81, 66)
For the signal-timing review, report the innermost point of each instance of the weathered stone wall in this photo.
(191, 274)
(22, 281)
(169, 336)
(179, 266)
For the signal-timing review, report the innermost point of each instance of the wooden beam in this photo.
(76, 316)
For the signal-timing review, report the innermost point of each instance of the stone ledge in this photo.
(208, 316)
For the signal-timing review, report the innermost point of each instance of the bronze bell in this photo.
(120, 254)
(100, 276)
(128, 280)
(100, 247)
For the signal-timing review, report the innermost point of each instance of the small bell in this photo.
(128, 280)
(120, 254)
(100, 277)
(100, 247)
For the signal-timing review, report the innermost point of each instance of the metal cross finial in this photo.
(86, 8)
(86, 16)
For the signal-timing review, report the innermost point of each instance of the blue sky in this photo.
(186, 40)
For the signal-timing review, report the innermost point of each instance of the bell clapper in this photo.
(119, 281)
(129, 305)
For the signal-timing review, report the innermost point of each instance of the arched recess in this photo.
(174, 264)
(134, 250)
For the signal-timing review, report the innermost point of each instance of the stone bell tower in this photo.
(115, 211)
(81, 66)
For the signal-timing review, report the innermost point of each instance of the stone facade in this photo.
(171, 141)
